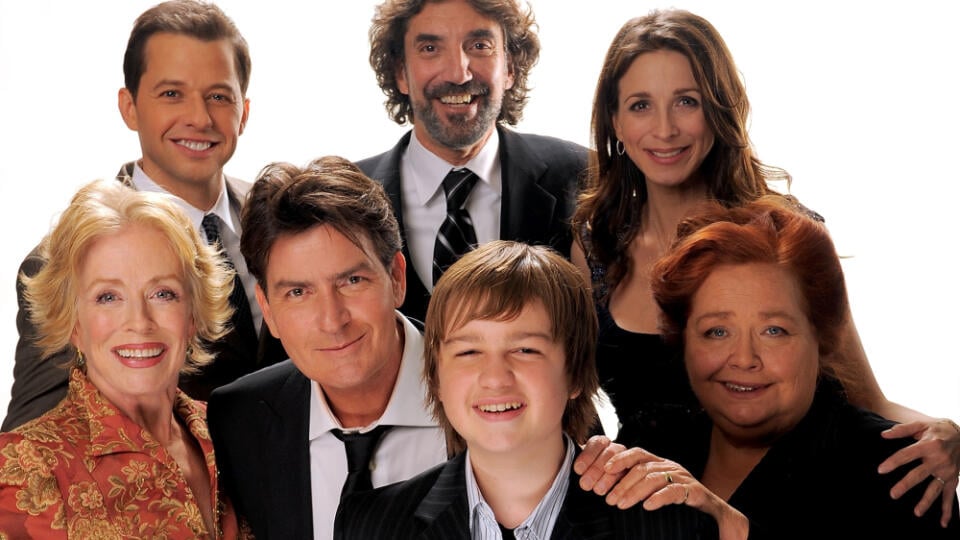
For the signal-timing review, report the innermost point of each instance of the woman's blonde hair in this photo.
(106, 207)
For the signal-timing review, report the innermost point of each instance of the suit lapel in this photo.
(583, 515)
(527, 210)
(388, 173)
(287, 481)
(444, 509)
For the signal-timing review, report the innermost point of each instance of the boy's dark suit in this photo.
(540, 178)
(434, 505)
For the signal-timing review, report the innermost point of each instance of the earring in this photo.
(619, 147)
(80, 363)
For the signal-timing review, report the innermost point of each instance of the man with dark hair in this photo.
(186, 70)
(457, 70)
(347, 412)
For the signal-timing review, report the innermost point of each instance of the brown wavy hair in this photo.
(495, 282)
(607, 211)
(389, 28)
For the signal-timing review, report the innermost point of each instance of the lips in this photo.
(666, 154)
(500, 407)
(196, 146)
(742, 388)
(340, 346)
(139, 353)
(461, 99)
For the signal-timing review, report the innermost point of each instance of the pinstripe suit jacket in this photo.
(433, 505)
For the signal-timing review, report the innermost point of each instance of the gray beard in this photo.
(461, 132)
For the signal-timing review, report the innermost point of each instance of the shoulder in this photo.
(568, 152)
(237, 188)
(386, 163)
(278, 381)
(360, 514)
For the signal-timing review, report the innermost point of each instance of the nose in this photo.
(457, 69)
(746, 354)
(139, 316)
(331, 312)
(496, 372)
(666, 124)
(197, 113)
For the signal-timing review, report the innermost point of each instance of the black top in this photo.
(820, 480)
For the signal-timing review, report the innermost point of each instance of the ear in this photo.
(265, 309)
(128, 109)
(398, 278)
(508, 84)
(245, 116)
(401, 78)
(616, 125)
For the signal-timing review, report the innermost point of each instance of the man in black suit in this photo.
(509, 364)
(324, 246)
(186, 71)
(458, 73)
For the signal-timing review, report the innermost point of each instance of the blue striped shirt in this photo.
(538, 525)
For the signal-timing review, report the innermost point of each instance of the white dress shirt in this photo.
(413, 445)
(538, 525)
(229, 236)
(425, 204)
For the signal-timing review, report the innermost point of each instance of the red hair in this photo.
(764, 231)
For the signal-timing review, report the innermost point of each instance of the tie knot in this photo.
(456, 186)
(360, 447)
(211, 227)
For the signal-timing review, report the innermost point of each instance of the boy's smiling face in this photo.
(503, 384)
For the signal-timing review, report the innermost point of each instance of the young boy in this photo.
(509, 364)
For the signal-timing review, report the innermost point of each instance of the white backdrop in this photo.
(858, 103)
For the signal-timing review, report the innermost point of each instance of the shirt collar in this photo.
(112, 432)
(431, 169)
(142, 182)
(539, 524)
(403, 409)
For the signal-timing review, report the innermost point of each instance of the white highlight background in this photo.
(856, 100)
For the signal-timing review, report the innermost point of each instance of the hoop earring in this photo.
(619, 147)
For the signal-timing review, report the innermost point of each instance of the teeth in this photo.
(197, 146)
(140, 353)
(666, 154)
(500, 407)
(738, 388)
(456, 100)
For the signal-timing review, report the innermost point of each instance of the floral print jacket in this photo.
(85, 470)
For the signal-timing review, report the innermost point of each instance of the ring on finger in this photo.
(942, 482)
(670, 478)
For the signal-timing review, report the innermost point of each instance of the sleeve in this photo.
(31, 505)
(39, 383)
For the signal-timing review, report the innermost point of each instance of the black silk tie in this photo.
(242, 316)
(456, 235)
(360, 448)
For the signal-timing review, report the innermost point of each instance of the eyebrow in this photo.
(677, 92)
(152, 281)
(363, 266)
(179, 84)
(765, 315)
(480, 33)
(475, 337)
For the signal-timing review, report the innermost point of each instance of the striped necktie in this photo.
(456, 235)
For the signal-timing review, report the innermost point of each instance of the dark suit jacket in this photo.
(541, 177)
(434, 505)
(260, 430)
(40, 383)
